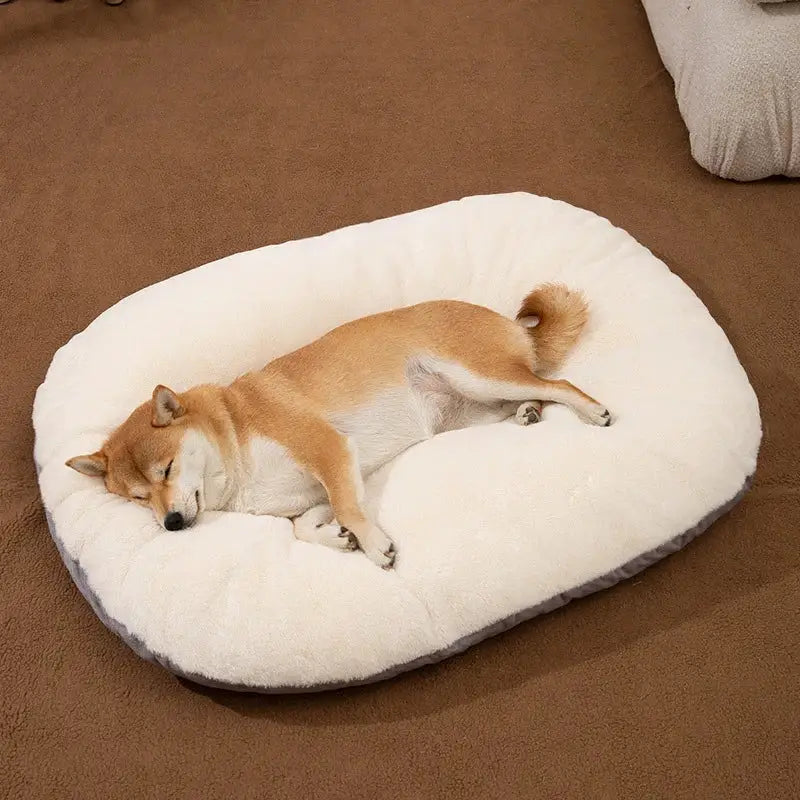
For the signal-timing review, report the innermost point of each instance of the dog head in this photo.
(164, 456)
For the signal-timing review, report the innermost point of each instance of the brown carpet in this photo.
(143, 140)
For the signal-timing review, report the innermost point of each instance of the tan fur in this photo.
(562, 316)
(292, 400)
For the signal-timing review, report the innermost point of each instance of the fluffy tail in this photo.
(555, 317)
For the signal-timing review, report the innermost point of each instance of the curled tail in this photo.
(554, 316)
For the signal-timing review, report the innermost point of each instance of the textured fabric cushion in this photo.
(736, 67)
(493, 524)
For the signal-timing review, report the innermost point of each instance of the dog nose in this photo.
(173, 521)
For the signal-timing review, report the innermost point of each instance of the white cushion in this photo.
(492, 524)
(736, 67)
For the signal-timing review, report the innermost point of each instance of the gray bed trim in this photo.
(621, 573)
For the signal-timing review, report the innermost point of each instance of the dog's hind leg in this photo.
(514, 380)
(528, 413)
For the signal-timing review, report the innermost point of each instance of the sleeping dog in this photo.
(297, 438)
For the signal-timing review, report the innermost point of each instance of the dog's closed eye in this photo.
(167, 470)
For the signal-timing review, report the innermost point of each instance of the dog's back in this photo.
(347, 366)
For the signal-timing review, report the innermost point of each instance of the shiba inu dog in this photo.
(296, 438)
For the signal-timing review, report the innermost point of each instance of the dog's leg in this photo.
(516, 381)
(529, 412)
(317, 526)
(345, 489)
(318, 515)
(332, 459)
(335, 465)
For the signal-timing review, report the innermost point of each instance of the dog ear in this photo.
(166, 407)
(93, 465)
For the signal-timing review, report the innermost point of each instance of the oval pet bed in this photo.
(493, 524)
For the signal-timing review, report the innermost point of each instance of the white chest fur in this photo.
(271, 482)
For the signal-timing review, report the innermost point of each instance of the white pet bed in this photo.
(493, 524)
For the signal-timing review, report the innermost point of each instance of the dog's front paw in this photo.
(383, 558)
(330, 534)
(336, 536)
(378, 547)
(597, 415)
